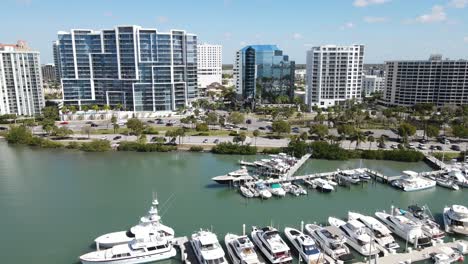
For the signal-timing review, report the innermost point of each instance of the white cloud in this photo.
(364, 3)
(458, 3)
(372, 20)
(465, 39)
(162, 19)
(437, 15)
(297, 36)
(348, 25)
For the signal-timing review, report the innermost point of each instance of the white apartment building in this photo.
(334, 74)
(209, 64)
(372, 84)
(20, 80)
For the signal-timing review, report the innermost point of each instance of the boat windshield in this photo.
(215, 261)
(209, 246)
(310, 250)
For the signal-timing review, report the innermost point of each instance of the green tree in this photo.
(304, 136)
(136, 126)
(211, 118)
(48, 125)
(240, 138)
(180, 133)
(114, 123)
(359, 137)
(62, 132)
(86, 130)
(320, 130)
(371, 140)
(201, 127)
(236, 118)
(256, 133)
(459, 131)
(196, 112)
(50, 112)
(19, 135)
(432, 131)
(406, 130)
(280, 127)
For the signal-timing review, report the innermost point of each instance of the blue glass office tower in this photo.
(264, 72)
(139, 68)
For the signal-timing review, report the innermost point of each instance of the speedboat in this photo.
(277, 190)
(304, 244)
(456, 219)
(241, 250)
(246, 192)
(363, 175)
(421, 214)
(458, 177)
(357, 235)
(447, 256)
(207, 248)
(410, 181)
(149, 224)
(139, 250)
(405, 228)
(294, 189)
(349, 176)
(331, 241)
(383, 236)
(446, 183)
(323, 185)
(271, 244)
(263, 190)
(241, 175)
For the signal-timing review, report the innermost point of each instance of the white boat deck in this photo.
(416, 255)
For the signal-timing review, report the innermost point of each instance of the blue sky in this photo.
(390, 29)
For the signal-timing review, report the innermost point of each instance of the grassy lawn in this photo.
(447, 155)
(162, 130)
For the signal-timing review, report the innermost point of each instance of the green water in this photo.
(53, 203)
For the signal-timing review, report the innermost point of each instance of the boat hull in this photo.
(134, 260)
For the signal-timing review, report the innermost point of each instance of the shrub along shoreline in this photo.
(21, 135)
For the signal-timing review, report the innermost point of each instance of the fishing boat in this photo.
(458, 176)
(207, 249)
(246, 192)
(383, 235)
(277, 190)
(323, 185)
(263, 190)
(241, 175)
(350, 176)
(149, 224)
(357, 235)
(271, 244)
(456, 219)
(142, 249)
(446, 183)
(241, 250)
(304, 245)
(331, 241)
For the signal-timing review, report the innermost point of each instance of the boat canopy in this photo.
(410, 173)
(276, 185)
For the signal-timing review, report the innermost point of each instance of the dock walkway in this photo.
(417, 255)
(435, 162)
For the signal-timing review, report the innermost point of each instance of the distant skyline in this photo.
(390, 29)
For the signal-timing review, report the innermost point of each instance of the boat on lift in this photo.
(241, 250)
(422, 215)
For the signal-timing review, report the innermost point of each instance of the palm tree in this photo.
(256, 133)
(359, 137)
(381, 140)
(371, 140)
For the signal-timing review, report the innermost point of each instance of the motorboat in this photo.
(422, 214)
(149, 224)
(304, 245)
(241, 175)
(323, 185)
(277, 190)
(310, 184)
(411, 181)
(246, 192)
(456, 219)
(446, 183)
(349, 176)
(405, 228)
(207, 249)
(294, 189)
(332, 182)
(363, 175)
(263, 190)
(299, 189)
(142, 249)
(241, 250)
(458, 176)
(447, 255)
(271, 244)
(358, 236)
(331, 241)
(383, 235)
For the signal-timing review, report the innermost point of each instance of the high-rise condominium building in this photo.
(334, 74)
(436, 81)
(140, 69)
(20, 80)
(210, 67)
(55, 50)
(372, 84)
(48, 72)
(266, 70)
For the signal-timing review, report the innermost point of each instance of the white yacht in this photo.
(323, 185)
(305, 245)
(241, 175)
(241, 250)
(246, 192)
(271, 244)
(383, 235)
(446, 182)
(456, 219)
(358, 236)
(458, 176)
(263, 190)
(149, 224)
(294, 189)
(447, 255)
(349, 176)
(277, 190)
(405, 228)
(139, 250)
(410, 181)
(331, 241)
(421, 214)
(363, 175)
(207, 248)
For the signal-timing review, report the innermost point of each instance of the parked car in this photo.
(3, 128)
(169, 124)
(422, 147)
(439, 147)
(160, 122)
(368, 133)
(295, 130)
(423, 141)
(89, 122)
(455, 147)
(151, 121)
(269, 127)
(411, 146)
(433, 147)
(64, 123)
(262, 128)
(117, 137)
(243, 128)
(394, 146)
(94, 125)
(216, 141)
(205, 141)
(248, 121)
(382, 145)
